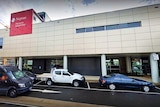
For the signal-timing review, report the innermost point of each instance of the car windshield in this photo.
(15, 73)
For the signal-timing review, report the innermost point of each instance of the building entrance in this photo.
(140, 66)
(116, 65)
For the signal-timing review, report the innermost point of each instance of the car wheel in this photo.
(112, 87)
(76, 83)
(146, 89)
(49, 82)
(12, 93)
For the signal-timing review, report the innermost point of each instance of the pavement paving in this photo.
(40, 102)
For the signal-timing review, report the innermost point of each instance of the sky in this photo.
(61, 9)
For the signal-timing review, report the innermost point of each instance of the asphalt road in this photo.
(93, 94)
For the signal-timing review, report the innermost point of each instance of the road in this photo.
(94, 95)
(89, 95)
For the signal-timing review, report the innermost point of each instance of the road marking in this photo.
(158, 88)
(46, 91)
(127, 91)
(105, 90)
(38, 83)
(88, 85)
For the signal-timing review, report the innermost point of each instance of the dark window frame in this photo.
(98, 28)
(112, 27)
(109, 27)
(80, 30)
(1, 43)
(89, 29)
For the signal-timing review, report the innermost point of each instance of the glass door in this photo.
(137, 66)
(112, 65)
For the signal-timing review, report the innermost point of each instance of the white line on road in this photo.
(105, 90)
(126, 91)
(158, 88)
(46, 91)
(38, 83)
(88, 85)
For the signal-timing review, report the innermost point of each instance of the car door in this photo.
(3, 81)
(128, 82)
(124, 81)
(117, 81)
(66, 77)
(57, 76)
(61, 76)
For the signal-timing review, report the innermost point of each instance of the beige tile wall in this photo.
(59, 37)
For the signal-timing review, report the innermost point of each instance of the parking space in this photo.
(90, 86)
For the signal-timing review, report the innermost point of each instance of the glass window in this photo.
(66, 73)
(113, 65)
(112, 27)
(109, 27)
(134, 24)
(81, 30)
(58, 72)
(137, 66)
(3, 76)
(27, 65)
(1, 43)
(16, 74)
(116, 62)
(89, 29)
(124, 25)
(98, 28)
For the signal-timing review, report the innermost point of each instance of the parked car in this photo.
(116, 80)
(62, 76)
(13, 81)
(31, 75)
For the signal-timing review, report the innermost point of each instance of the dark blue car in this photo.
(116, 80)
(13, 81)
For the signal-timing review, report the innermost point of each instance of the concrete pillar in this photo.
(5, 61)
(128, 64)
(65, 62)
(20, 63)
(154, 67)
(103, 65)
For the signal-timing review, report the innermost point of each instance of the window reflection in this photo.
(137, 66)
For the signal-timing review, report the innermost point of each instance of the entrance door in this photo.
(39, 66)
(113, 65)
(116, 65)
(141, 66)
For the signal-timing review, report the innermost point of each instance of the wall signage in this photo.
(21, 23)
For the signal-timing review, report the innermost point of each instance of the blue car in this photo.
(117, 80)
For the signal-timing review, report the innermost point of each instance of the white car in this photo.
(62, 76)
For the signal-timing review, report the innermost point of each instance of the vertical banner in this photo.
(21, 23)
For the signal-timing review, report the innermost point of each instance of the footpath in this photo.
(40, 102)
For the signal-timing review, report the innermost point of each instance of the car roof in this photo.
(8, 67)
(117, 74)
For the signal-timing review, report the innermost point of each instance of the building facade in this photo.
(125, 41)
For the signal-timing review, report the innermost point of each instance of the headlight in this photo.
(21, 85)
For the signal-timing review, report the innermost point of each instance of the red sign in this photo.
(21, 23)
